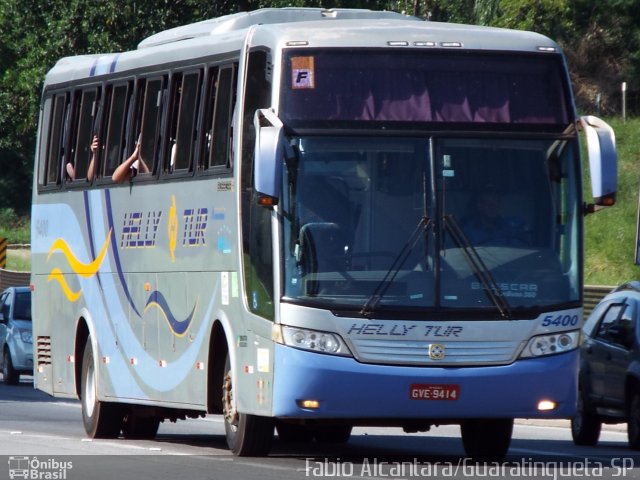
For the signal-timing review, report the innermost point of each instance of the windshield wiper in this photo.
(481, 271)
(384, 284)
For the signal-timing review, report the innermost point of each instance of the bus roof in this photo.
(312, 27)
(265, 16)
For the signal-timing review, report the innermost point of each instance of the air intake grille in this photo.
(44, 351)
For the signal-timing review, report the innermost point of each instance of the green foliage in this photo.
(549, 17)
(14, 228)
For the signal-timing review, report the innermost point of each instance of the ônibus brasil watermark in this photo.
(465, 467)
(34, 468)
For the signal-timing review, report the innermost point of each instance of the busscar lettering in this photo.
(515, 290)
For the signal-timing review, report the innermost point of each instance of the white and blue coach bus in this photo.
(338, 218)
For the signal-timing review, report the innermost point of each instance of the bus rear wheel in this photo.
(247, 435)
(487, 439)
(101, 419)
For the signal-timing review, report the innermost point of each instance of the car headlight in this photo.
(551, 344)
(312, 340)
(26, 336)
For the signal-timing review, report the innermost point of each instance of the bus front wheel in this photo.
(487, 439)
(101, 419)
(247, 435)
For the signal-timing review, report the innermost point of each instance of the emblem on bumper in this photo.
(436, 351)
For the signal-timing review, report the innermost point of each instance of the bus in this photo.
(301, 246)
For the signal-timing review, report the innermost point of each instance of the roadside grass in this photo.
(610, 234)
(19, 259)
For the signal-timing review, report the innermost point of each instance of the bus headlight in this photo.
(551, 344)
(313, 340)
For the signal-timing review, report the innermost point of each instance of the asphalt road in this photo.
(42, 437)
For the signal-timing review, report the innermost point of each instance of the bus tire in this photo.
(9, 374)
(487, 439)
(247, 435)
(585, 426)
(100, 419)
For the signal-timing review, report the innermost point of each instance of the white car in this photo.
(16, 341)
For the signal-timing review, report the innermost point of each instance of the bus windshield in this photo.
(376, 224)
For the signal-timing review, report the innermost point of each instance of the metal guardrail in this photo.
(9, 278)
(592, 295)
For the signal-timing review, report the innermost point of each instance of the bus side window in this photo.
(221, 95)
(150, 98)
(118, 104)
(86, 107)
(56, 139)
(184, 109)
(208, 105)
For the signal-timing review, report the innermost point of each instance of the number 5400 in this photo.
(560, 321)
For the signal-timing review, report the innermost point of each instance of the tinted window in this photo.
(22, 306)
(115, 139)
(85, 131)
(221, 129)
(149, 109)
(56, 142)
(595, 316)
(365, 86)
(609, 319)
(184, 117)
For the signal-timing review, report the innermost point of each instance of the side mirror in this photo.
(603, 159)
(269, 153)
(2, 318)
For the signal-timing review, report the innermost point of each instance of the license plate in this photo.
(420, 391)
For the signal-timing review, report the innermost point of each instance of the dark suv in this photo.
(609, 379)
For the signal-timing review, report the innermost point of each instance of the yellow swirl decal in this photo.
(85, 270)
(172, 228)
(56, 275)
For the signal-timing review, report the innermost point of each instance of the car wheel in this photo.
(9, 375)
(633, 425)
(585, 426)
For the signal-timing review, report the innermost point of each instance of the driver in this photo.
(486, 225)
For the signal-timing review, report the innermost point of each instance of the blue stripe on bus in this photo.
(104, 64)
(113, 63)
(90, 230)
(116, 256)
(178, 327)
